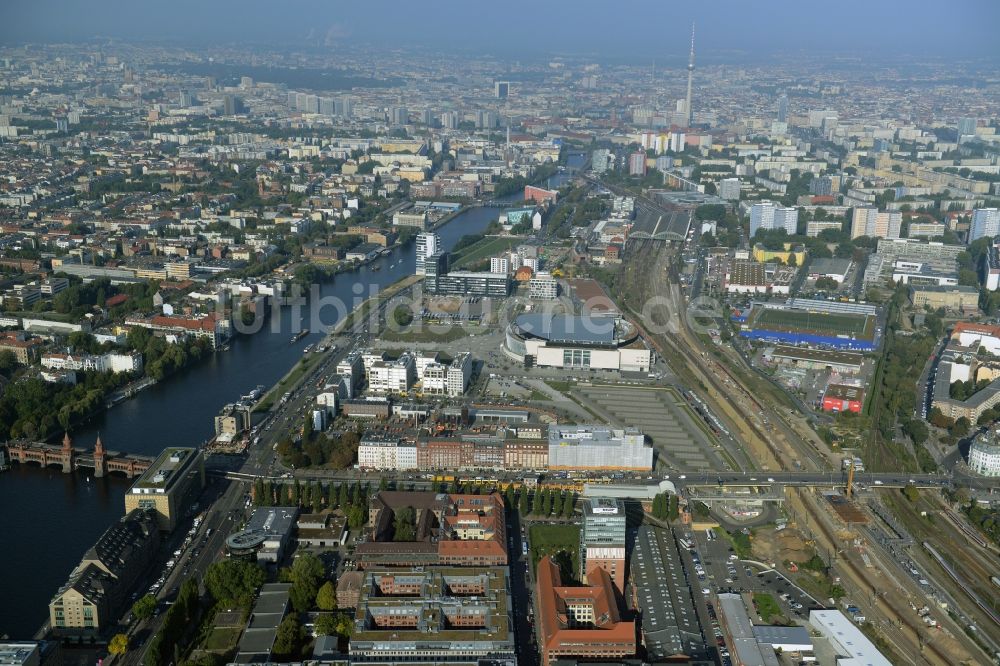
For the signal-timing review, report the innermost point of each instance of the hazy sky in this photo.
(604, 27)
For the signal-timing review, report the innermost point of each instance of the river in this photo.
(50, 519)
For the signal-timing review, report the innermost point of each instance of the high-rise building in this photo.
(500, 265)
(602, 541)
(449, 120)
(428, 244)
(783, 108)
(729, 189)
(967, 126)
(501, 89)
(326, 106)
(399, 115)
(869, 221)
(687, 106)
(985, 223)
(347, 106)
(637, 163)
(766, 215)
(601, 160)
(230, 105)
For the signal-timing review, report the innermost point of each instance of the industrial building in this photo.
(660, 590)
(591, 447)
(851, 646)
(169, 486)
(580, 342)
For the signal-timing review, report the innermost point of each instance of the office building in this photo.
(399, 115)
(783, 108)
(396, 376)
(580, 622)
(768, 216)
(637, 163)
(169, 487)
(591, 447)
(984, 454)
(467, 283)
(869, 221)
(266, 536)
(501, 89)
(602, 541)
(543, 286)
(428, 243)
(985, 223)
(438, 615)
(97, 590)
(729, 189)
(416, 219)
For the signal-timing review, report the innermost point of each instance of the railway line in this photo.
(719, 381)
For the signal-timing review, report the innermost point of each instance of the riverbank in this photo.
(176, 412)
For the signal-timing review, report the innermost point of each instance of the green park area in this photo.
(561, 542)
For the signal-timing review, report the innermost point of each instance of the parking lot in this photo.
(719, 569)
(680, 442)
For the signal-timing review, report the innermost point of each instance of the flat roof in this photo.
(568, 328)
(846, 638)
(168, 467)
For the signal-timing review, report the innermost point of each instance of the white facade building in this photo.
(984, 454)
(103, 363)
(392, 376)
(543, 285)
(388, 453)
(500, 265)
(985, 223)
(428, 243)
(582, 447)
(766, 215)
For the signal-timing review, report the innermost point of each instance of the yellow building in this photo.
(763, 255)
(169, 486)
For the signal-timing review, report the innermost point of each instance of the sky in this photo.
(605, 28)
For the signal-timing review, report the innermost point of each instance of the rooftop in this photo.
(168, 467)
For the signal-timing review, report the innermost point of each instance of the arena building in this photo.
(577, 342)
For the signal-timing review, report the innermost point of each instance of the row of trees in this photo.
(165, 647)
(665, 507)
(352, 499)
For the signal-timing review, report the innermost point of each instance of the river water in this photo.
(50, 518)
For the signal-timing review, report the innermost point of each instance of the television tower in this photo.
(687, 104)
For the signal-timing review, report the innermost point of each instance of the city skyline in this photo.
(595, 28)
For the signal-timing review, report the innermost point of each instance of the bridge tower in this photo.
(100, 466)
(67, 454)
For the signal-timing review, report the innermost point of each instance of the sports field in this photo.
(817, 323)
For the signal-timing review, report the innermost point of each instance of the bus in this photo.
(524, 548)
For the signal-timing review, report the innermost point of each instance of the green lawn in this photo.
(559, 385)
(767, 607)
(814, 322)
(427, 333)
(223, 639)
(552, 539)
(487, 247)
